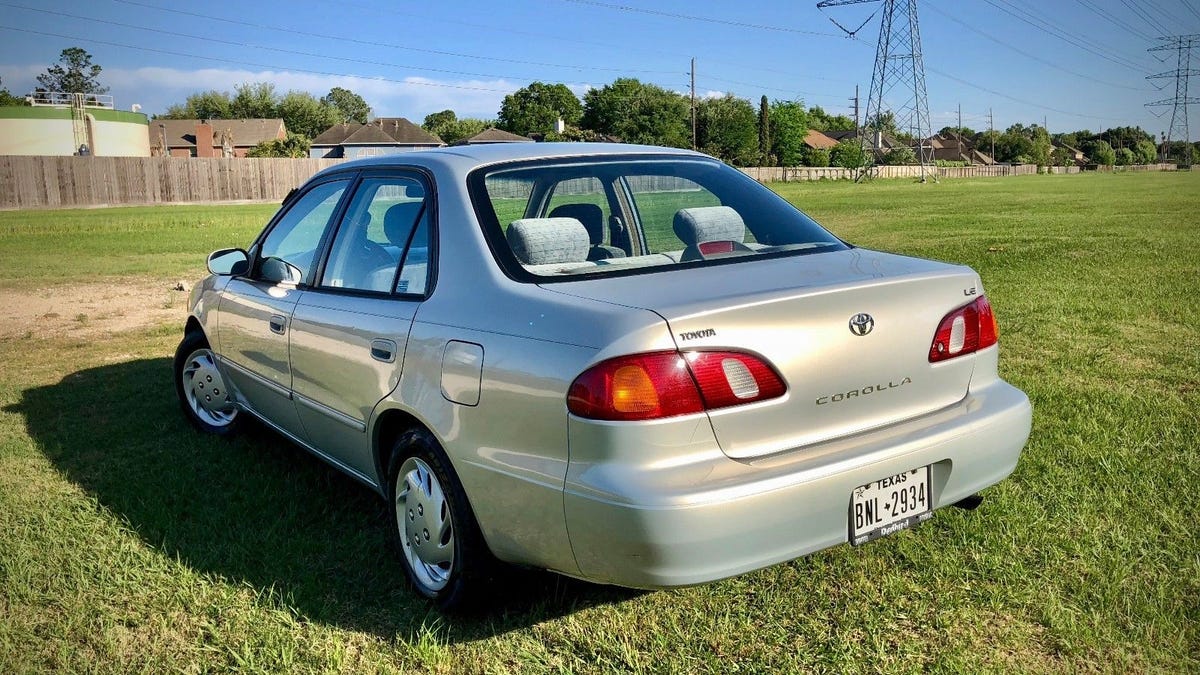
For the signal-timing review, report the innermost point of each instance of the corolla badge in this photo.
(861, 324)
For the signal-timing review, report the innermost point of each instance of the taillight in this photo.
(665, 384)
(964, 331)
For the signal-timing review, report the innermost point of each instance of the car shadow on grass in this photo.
(257, 509)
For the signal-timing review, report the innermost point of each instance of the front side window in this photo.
(571, 218)
(382, 243)
(286, 254)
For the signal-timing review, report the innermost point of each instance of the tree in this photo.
(205, 105)
(1146, 152)
(817, 157)
(73, 74)
(534, 109)
(1102, 153)
(446, 126)
(436, 122)
(726, 128)
(764, 132)
(294, 146)
(848, 154)
(789, 126)
(305, 114)
(7, 99)
(353, 107)
(900, 155)
(638, 113)
(822, 121)
(257, 100)
(1125, 157)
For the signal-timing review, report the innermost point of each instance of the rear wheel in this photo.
(433, 527)
(203, 393)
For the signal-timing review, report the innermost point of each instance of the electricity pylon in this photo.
(899, 78)
(1182, 45)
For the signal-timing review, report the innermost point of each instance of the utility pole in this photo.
(693, 103)
(960, 119)
(1182, 45)
(899, 65)
(857, 128)
(992, 134)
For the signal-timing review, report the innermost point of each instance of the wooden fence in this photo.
(51, 182)
(63, 182)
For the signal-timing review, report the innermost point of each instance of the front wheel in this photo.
(203, 393)
(433, 527)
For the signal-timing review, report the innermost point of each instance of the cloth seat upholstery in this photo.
(542, 241)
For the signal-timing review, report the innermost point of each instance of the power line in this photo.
(705, 19)
(1191, 8)
(281, 50)
(1035, 22)
(244, 64)
(1108, 16)
(1028, 55)
(1144, 16)
(372, 43)
(1011, 98)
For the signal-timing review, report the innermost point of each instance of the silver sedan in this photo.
(631, 365)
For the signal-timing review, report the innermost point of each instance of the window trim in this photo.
(423, 176)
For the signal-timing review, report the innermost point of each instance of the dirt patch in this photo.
(90, 309)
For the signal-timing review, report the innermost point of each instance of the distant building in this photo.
(212, 138)
(819, 141)
(953, 147)
(58, 124)
(381, 136)
(882, 143)
(494, 135)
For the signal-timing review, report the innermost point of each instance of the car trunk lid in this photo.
(849, 331)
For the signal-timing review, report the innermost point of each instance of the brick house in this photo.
(212, 138)
(381, 136)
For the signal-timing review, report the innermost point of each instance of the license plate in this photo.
(889, 504)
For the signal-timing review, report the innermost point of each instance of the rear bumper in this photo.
(698, 516)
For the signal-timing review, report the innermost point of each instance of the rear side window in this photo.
(563, 219)
(381, 226)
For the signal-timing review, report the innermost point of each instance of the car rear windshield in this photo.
(563, 219)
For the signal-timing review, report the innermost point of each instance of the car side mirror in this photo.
(228, 262)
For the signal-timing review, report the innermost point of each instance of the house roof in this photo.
(246, 133)
(494, 135)
(816, 139)
(380, 131)
(887, 141)
(336, 134)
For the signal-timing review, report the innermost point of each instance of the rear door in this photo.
(255, 314)
(350, 329)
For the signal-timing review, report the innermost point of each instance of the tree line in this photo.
(629, 110)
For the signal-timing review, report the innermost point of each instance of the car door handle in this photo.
(383, 350)
(278, 324)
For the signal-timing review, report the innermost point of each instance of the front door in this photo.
(350, 330)
(255, 316)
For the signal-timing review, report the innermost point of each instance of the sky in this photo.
(1067, 64)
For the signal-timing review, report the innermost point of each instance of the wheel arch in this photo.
(387, 428)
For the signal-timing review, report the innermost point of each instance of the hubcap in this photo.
(207, 395)
(426, 527)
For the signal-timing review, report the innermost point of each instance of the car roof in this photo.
(463, 158)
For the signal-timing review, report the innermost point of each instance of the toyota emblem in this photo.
(861, 324)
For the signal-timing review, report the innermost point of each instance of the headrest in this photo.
(590, 215)
(542, 241)
(398, 221)
(709, 223)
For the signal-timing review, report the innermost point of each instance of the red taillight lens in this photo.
(666, 384)
(964, 331)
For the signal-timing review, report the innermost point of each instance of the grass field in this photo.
(128, 543)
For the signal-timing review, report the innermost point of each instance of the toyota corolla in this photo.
(631, 365)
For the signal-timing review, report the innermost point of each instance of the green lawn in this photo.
(130, 543)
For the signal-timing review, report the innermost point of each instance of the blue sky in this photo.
(1072, 63)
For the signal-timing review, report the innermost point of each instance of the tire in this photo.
(203, 393)
(433, 527)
